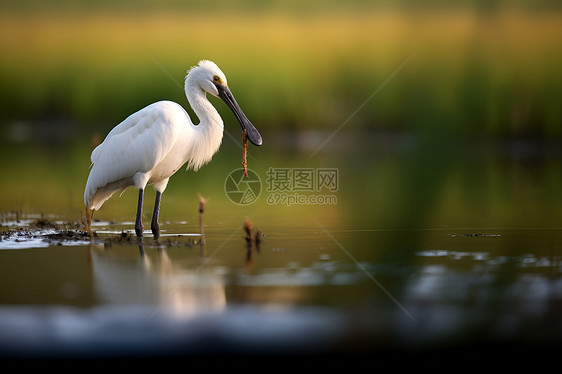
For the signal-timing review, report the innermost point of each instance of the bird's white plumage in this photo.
(153, 143)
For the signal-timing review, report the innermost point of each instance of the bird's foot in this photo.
(155, 231)
(139, 230)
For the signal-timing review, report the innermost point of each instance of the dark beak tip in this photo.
(255, 137)
(257, 142)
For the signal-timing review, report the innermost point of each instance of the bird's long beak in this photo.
(228, 98)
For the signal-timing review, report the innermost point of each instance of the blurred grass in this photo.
(493, 73)
(475, 75)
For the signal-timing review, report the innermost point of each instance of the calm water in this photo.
(309, 289)
(409, 252)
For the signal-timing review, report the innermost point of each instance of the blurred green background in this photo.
(451, 110)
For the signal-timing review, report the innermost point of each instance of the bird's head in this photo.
(211, 79)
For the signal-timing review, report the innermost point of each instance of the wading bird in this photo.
(152, 144)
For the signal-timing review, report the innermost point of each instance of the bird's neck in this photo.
(202, 107)
(209, 131)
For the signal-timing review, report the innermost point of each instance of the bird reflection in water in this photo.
(159, 275)
(153, 278)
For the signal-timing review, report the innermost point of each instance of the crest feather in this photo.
(205, 64)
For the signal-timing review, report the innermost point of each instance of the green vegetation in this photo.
(475, 78)
(494, 74)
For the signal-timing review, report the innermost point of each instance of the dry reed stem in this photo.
(245, 153)
(202, 204)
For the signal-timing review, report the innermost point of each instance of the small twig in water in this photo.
(253, 240)
(257, 240)
(248, 227)
(202, 204)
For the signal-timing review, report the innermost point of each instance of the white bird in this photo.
(152, 144)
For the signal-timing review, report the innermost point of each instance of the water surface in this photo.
(429, 248)
(308, 289)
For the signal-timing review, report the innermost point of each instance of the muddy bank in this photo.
(40, 232)
(29, 226)
(43, 232)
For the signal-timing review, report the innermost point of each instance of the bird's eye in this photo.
(216, 78)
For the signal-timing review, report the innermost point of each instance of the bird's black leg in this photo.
(138, 224)
(155, 226)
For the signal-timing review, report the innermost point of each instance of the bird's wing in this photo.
(136, 145)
